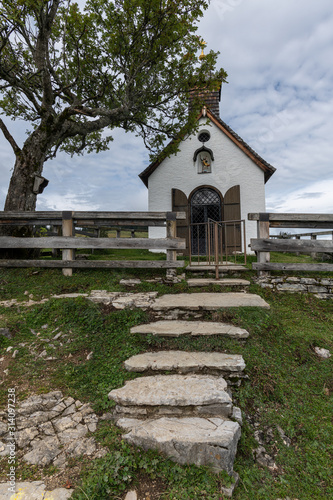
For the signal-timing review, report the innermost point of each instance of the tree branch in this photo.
(9, 138)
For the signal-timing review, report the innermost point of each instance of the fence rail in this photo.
(68, 242)
(263, 245)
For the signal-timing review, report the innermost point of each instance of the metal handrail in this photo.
(215, 236)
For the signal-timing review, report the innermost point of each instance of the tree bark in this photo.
(29, 163)
(21, 197)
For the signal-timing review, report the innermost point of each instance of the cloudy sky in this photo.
(279, 99)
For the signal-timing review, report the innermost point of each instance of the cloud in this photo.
(310, 195)
(279, 100)
(303, 200)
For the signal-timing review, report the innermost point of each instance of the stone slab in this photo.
(199, 441)
(186, 362)
(220, 282)
(174, 390)
(34, 490)
(177, 328)
(207, 301)
(222, 268)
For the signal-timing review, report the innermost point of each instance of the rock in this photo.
(91, 422)
(290, 287)
(107, 417)
(262, 457)
(60, 461)
(69, 401)
(43, 453)
(308, 281)
(86, 446)
(285, 439)
(180, 394)
(185, 362)
(316, 289)
(220, 282)
(56, 337)
(15, 353)
(9, 348)
(292, 279)
(58, 494)
(208, 301)
(34, 490)
(197, 441)
(322, 353)
(71, 434)
(194, 328)
(26, 491)
(69, 411)
(228, 491)
(63, 423)
(30, 405)
(122, 300)
(174, 390)
(131, 495)
(39, 417)
(237, 415)
(58, 408)
(4, 450)
(3, 428)
(130, 282)
(47, 429)
(24, 437)
(85, 410)
(5, 333)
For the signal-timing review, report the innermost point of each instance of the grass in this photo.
(288, 385)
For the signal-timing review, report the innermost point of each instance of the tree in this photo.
(73, 73)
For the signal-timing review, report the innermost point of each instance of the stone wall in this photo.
(320, 287)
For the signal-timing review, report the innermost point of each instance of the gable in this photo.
(232, 136)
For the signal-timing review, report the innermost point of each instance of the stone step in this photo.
(213, 363)
(177, 328)
(207, 301)
(211, 442)
(225, 268)
(173, 395)
(220, 282)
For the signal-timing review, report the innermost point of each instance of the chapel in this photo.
(214, 175)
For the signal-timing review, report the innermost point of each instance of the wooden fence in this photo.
(263, 245)
(68, 242)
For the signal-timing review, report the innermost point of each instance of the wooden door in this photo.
(180, 204)
(232, 211)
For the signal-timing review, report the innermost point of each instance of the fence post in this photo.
(67, 230)
(263, 233)
(313, 254)
(171, 232)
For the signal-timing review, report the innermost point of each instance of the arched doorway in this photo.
(205, 203)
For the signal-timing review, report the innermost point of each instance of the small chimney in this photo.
(210, 99)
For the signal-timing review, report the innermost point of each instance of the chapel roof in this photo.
(235, 138)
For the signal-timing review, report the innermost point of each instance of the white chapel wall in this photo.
(230, 167)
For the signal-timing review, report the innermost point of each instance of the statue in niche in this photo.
(205, 164)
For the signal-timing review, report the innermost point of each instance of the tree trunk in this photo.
(20, 197)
